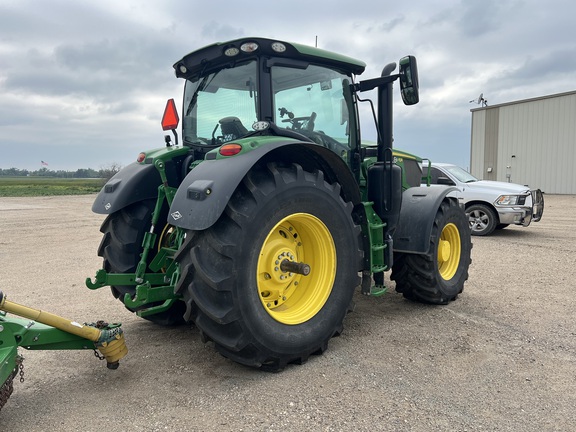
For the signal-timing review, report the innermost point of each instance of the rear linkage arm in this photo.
(150, 288)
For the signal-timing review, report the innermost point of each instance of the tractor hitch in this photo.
(39, 330)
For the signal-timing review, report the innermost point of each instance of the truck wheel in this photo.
(121, 247)
(482, 219)
(438, 276)
(245, 281)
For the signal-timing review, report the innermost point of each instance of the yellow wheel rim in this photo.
(166, 240)
(166, 237)
(449, 250)
(289, 297)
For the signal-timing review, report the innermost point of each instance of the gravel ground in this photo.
(500, 358)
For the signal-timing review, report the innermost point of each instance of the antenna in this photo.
(480, 100)
(316, 44)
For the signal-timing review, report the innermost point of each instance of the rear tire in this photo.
(438, 276)
(234, 289)
(121, 247)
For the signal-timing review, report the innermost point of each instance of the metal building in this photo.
(531, 142)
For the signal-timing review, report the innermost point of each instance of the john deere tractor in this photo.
(259, 219)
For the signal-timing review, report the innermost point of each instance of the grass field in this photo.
(45, 186)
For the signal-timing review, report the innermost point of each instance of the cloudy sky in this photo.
(83, 84)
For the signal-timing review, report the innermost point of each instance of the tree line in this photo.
(105, 172)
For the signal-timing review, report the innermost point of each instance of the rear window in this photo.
(412, 172)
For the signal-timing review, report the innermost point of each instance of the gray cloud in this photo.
(554, 63)
(219, 31)
(483, 17)
(95, 75)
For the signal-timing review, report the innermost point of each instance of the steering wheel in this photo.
(302, 123)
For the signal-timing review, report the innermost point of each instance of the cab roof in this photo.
(227, 54)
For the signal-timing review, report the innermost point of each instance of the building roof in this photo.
(524, 101)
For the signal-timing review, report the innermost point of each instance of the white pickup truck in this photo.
(489, 204)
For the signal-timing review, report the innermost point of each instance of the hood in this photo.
(498, 187)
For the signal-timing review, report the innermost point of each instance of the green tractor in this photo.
(260, 219)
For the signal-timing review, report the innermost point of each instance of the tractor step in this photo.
(378, 290)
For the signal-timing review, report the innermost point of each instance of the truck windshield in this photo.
(460, 174)
(220, 106)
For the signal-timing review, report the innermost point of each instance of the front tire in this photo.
(438, 276)
(233, 281)
(482, 219)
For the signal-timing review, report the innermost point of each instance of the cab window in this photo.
(311, 102)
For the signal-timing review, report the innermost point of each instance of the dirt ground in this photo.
(502, 357)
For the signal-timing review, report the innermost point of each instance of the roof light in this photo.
(249, 47)
(170, 118)
(231, 52)
(183, 69)
(230, 149)
(141, 157)
(278, 47)
(260, 125)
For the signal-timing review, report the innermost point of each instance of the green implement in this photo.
(39, 330)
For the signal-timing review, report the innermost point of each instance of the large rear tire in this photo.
(121, 247)
(438, 276)
(234, 281)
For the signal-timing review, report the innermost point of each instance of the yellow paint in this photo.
(113, 350)
(292, 298)
(449, 250)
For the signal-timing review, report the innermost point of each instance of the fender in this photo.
(419, 207)
(135, 182)
(206, 190)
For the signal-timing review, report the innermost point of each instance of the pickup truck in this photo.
(490, 205)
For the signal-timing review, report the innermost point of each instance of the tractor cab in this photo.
(303, 92)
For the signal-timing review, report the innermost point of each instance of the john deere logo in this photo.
(176, 215)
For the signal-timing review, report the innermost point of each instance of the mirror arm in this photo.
(371, 84)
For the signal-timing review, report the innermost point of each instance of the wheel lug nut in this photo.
(275, 268)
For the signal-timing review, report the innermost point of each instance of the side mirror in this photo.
(444, 181)
(409, 80)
